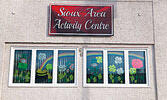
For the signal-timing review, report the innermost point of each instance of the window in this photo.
(94, 66)
(115, 67)
(22, 66)
(137, 67)
(43, 67)
(66, 66)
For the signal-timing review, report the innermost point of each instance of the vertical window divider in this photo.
(84, 68)
(11, 66)
(147, 67)
(33, 66)
(55, 63)
(105, 67)
(76, 65)
(126, 58)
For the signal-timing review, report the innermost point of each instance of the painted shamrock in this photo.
(99, 59)
(99, 76)
(71, 77)
(49, 67)
(132, 71)
(89, 80)
(119, 78)
(120, 71)
(132, 78)
(118, 60)
(68, 79)
(94, 79)
(16, 73)
(27, 77)
(111, 76)
(61, 76)
(41, 56)
(112, 68)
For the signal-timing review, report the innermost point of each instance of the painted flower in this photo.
(41, 56)
(118, 60)
(99, 59)
(120, 71)
(62, 68)
(132, 71)
(137, 63)
(112, 68)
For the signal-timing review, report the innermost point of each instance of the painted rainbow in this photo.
(66, 54)
(115, 53)
(135, 55)
(43, 65)
(94, 53)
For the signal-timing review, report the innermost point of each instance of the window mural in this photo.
(22, 66)
(116, 66)
(66, 66)
(116, 73)
(137, 67)
(94, 66)
(44, 66)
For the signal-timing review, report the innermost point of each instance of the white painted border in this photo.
(33, 64)
(126, 64)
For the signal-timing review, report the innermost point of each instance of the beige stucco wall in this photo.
(137, 23)
(160, 23)
(79, 92)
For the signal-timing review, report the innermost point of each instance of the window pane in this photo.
(137, 67)
(94, 67)
(22, 66)
(44, 66)
(66, 66)
(116, 67)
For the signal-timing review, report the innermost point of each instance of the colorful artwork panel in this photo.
(94, 66)
(137, 67)
(66, 66)
(22, 66)
(116, 69)
(44, 66)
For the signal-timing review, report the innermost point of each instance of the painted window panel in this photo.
(137, 67)
(116, 69)
(66, 66)
(44, 66)
(94, 66)
(22, 66)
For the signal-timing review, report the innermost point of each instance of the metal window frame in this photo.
(126, 66)
(33, 63)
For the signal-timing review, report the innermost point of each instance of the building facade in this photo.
(139, 28)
